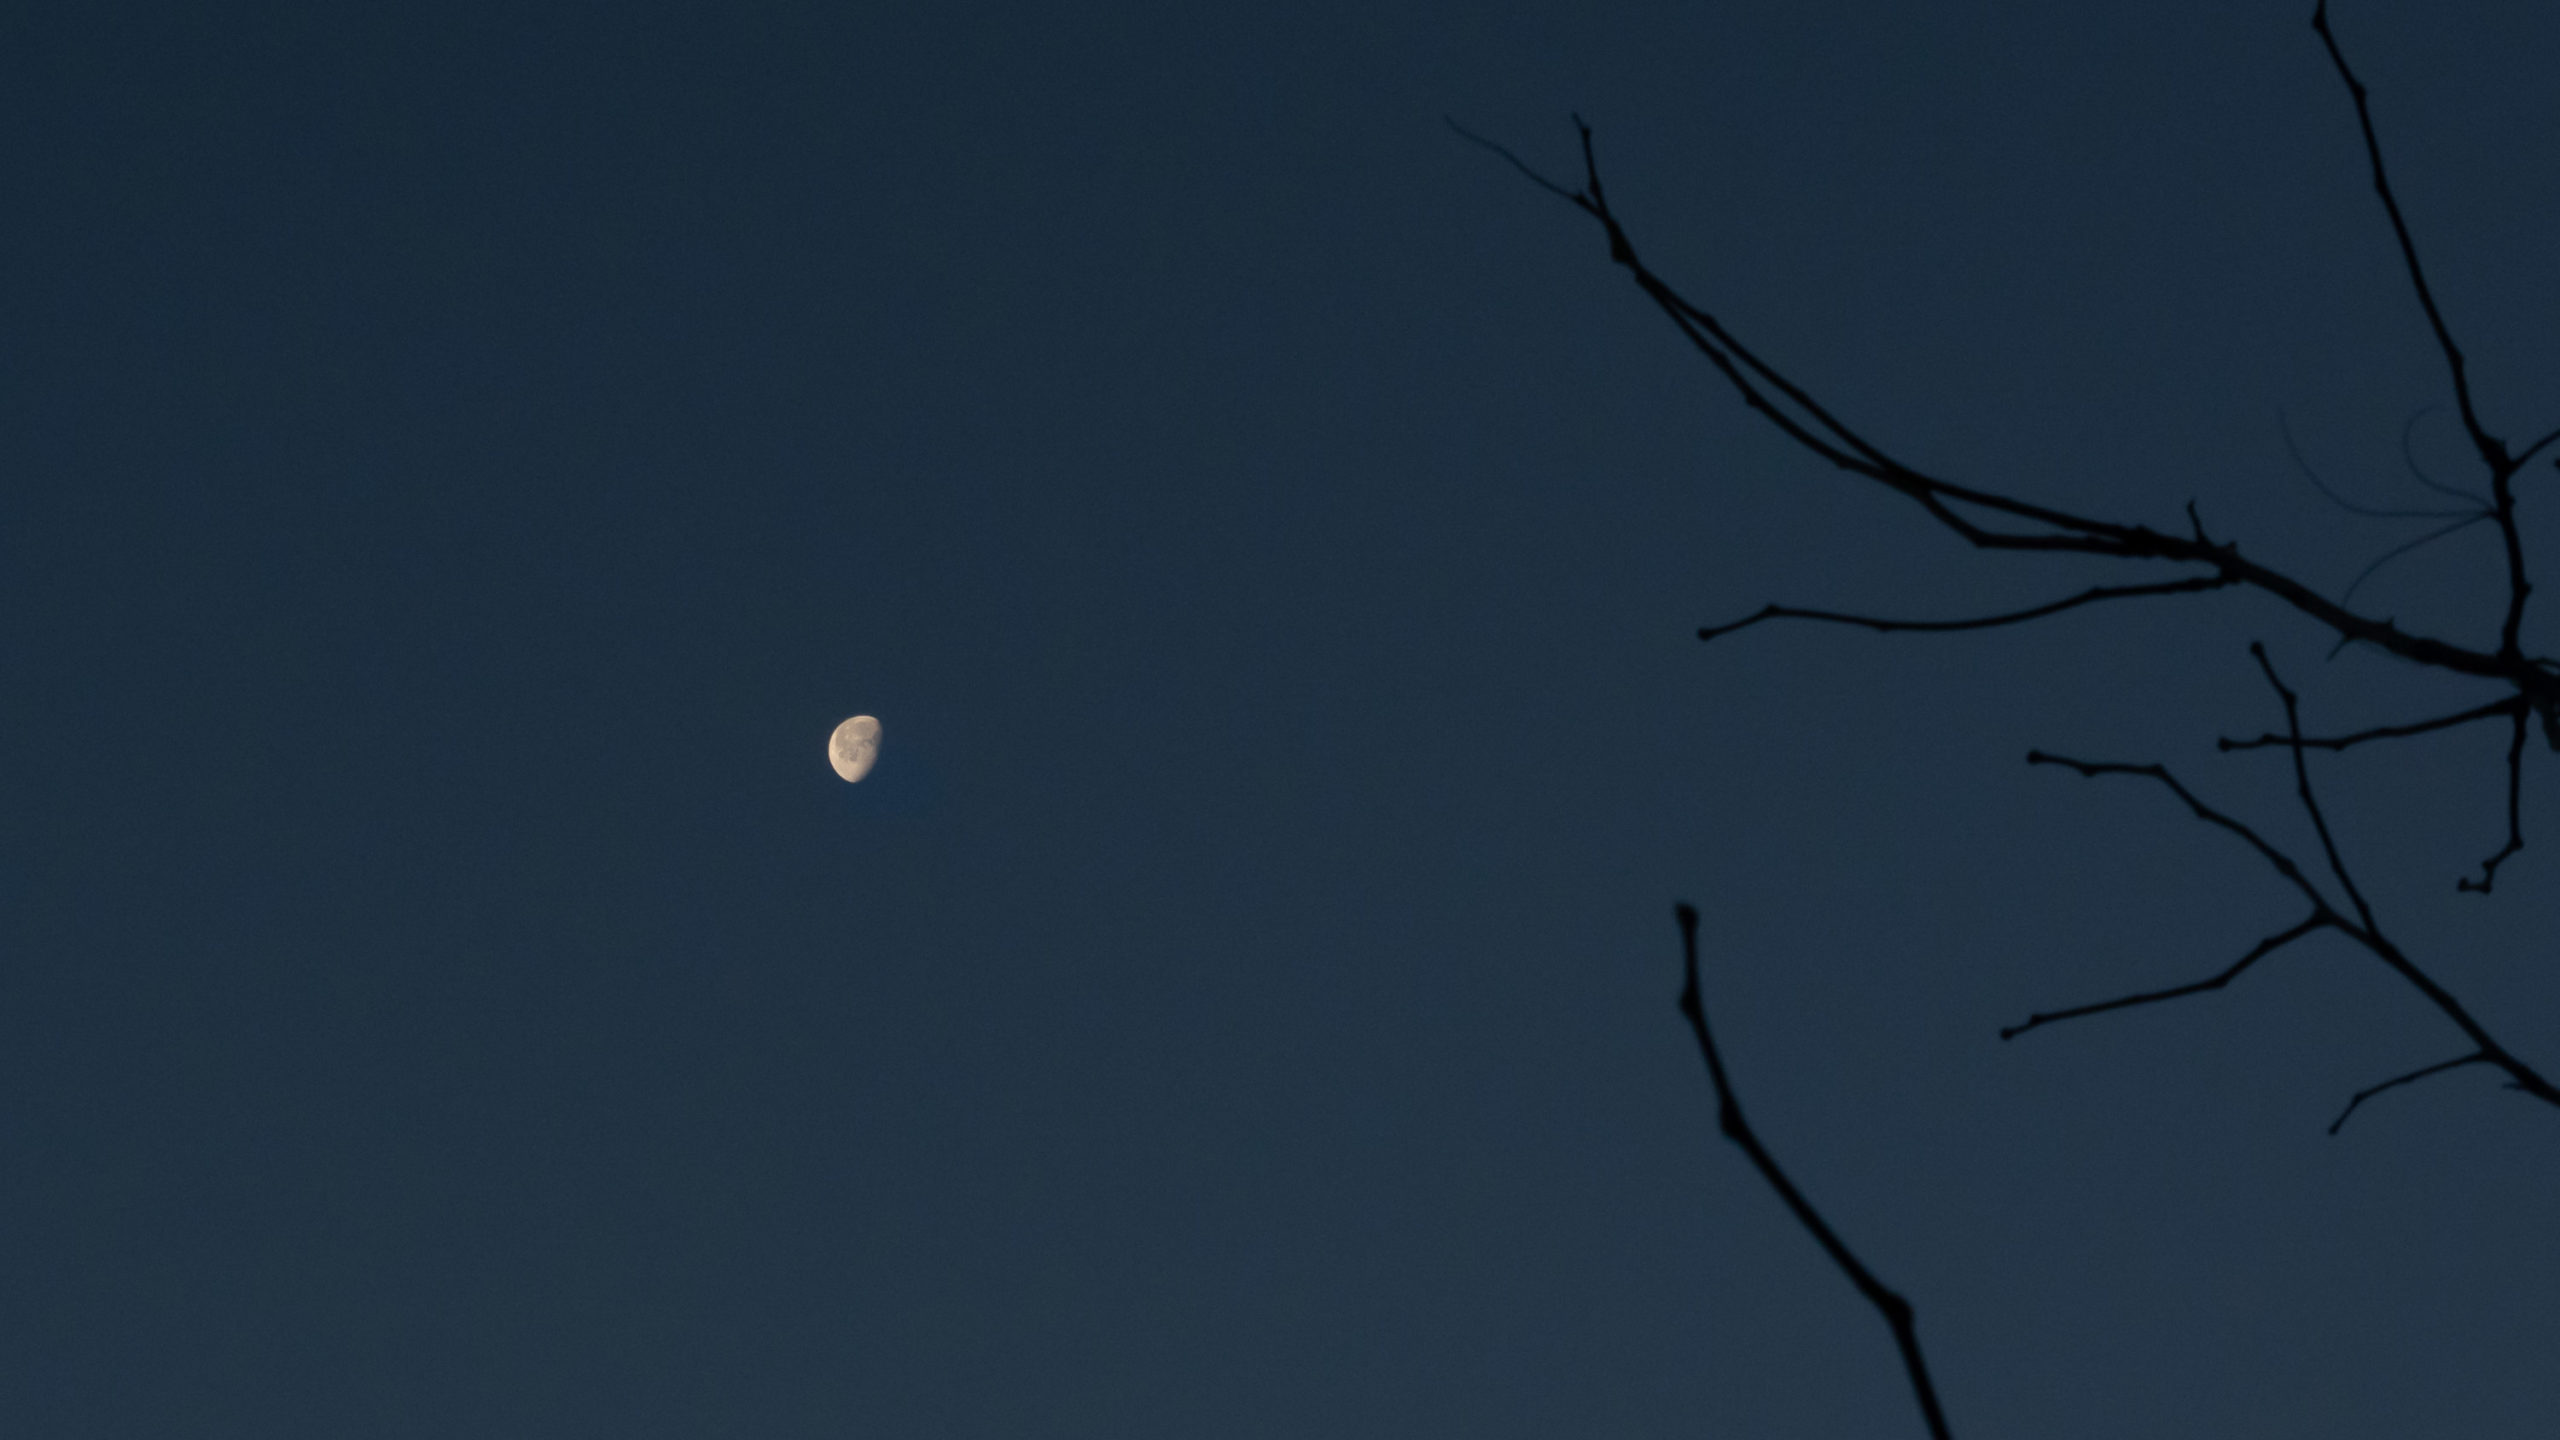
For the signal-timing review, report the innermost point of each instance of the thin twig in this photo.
(2529, 451)
(2508, 706)
(2320, 919)
(2367, 933)
(2302, 785)
(1796, 413)
(1523, 166)
(2368, 1092)
(2086, 597)
(2515, 814)
(2478, 510)
(2493, 451)
(1895, 1310)
(2283, 863)
(2410, 457)
(2450, 527)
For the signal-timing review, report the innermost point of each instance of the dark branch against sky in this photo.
(461, 462)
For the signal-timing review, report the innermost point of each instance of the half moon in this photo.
(854, 746)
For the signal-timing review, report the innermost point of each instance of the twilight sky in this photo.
(458, 462)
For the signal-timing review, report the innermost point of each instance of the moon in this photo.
(854, 746)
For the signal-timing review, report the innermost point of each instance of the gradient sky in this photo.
(460, 461)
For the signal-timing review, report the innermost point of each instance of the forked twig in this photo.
(2363, 929)
(1895, 1310)
(1987, 519)
(2283, 863)
(2302, 784)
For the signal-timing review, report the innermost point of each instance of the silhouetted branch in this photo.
(2478, 510)
(2319, 920)
(2493, 451)
(2283, 863)
(2085, 597)
(2396, 551)
(2515, 813)
(1993, 521)
(2302, 784)
(1805, 420)
(2368, 1092)
(2490, 449)
(1505, 151)
(2510, 706)
(2409, 457)
(2531, 450)
(1895, 1310)
(2363, 930)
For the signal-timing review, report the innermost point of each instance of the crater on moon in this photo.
(854, 746)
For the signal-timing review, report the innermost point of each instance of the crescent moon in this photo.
(854, 746)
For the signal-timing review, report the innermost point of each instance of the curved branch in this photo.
(2283, 863)
(2493, 451)
(1895, 1310)
(2367, 934)
(2379, 732)
(2320, 919)
(2086, 597)
(2421, 1073)
(1803, 419)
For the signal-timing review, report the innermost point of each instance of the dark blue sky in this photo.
(460, 463)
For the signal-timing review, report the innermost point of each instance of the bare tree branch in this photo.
(1803, 419)
(2302, 785)
(2090, 596)
(1505, 151)
(1895, 1310)
(2529, 451)
(1990, 520)
(2283, 863)
(2515, 814)
(2476, 510)
(2319, 920)
(2454, 527)
(2490, 448)
(2364, 931)
(2508, 706)
(2421, 1073)
(2493, 451)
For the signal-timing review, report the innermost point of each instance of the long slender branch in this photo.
(2515, 814)
(2509, 706)
(2493, 451)
(2320, 919)
(2421, 1073)
(2368, 934)
(2302, 785)
(2090, 596)
(1804, 420)
(2521, 1075)
(1895, 1310)
(2283, 863)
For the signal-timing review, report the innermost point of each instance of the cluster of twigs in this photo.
(2528, 686)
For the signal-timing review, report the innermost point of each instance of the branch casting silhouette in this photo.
(1995, 521)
